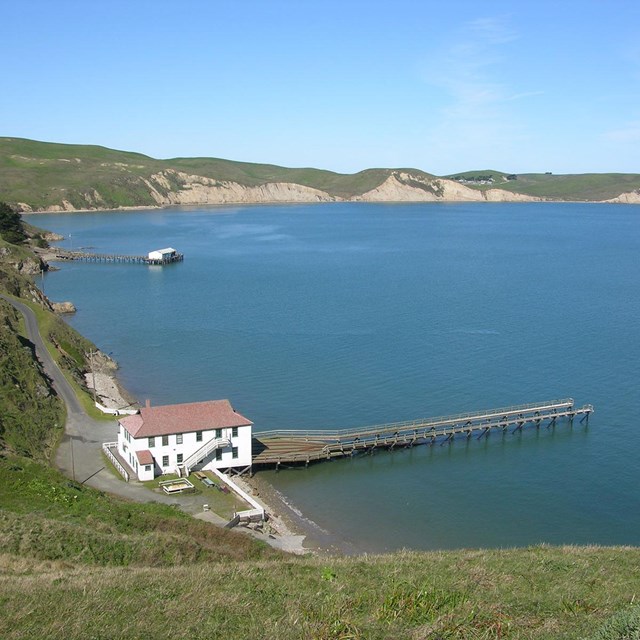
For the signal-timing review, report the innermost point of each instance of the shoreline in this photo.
(315, 539)
(158, 207)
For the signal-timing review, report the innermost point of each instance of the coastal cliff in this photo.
(402, 186)
(41, 176)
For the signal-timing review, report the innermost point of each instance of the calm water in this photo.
(340, 315)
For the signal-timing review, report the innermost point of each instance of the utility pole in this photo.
(73, 462)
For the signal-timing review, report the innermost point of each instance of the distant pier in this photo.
(153, 258)
(278, 447)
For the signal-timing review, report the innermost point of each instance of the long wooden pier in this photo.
(110, 257)
(302, 447)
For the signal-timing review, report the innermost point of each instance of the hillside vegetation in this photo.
(42, 174)
(48, 176)
(582, 187)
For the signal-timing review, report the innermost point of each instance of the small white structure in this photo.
(163, 255)
(182, 437)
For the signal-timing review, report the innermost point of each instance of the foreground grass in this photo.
(538, 592)
(46, 516)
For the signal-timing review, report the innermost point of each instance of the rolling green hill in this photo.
(42, 174)
(582, 187)
(49, 176)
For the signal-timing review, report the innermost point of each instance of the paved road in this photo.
(79, 455)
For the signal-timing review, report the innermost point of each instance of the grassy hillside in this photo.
(43, 175)
(580, 187)
(586, 186)
(46, 516)
(535, 593)
(31, 416)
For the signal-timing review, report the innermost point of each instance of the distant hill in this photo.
(44, 176)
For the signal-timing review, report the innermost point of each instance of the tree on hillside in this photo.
(11, 228)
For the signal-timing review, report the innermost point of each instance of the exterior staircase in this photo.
(200, 454)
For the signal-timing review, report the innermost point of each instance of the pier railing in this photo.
(286, 445)
(420, 423)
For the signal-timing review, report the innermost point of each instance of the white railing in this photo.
(204, 451)
(106, 447)
(257, 508)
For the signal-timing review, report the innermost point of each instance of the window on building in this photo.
(234, 452)
(165, 441)
(165, 461)
(198, 436)
(218, 454)
(218, 433)
(152, 442)
(234, 432)
(179, 458)
(179, 439)
(147, 467)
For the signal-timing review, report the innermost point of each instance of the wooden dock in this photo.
(278, 447)
(111, 257)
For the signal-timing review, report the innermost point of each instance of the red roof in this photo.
(144, 457)
(183, 418)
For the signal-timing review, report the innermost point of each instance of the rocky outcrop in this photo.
(201, 190)
(24, 264)
(65, 205)
(631, 197)
(407, 187)
(63, 307)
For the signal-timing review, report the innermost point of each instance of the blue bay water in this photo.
(340, 315)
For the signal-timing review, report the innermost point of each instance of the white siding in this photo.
(190, 445)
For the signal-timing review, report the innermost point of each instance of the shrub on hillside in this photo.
(11, 227)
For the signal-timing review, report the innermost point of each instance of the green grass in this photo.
(534, 593)
(221, 503)
(580, 187)
(46, 516)
(31, 417)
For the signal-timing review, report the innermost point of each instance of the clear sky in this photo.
(344, 85)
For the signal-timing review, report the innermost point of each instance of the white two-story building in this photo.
(182, 437)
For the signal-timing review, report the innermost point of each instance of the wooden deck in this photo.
(302, 447)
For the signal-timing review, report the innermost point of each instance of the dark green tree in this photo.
(11, 228)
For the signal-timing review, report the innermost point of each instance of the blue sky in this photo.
(444, 87)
